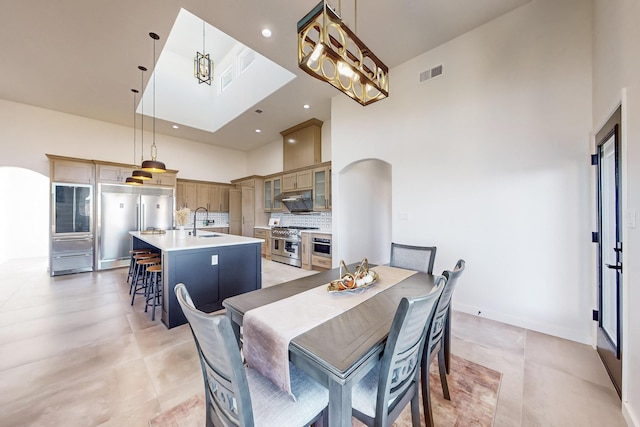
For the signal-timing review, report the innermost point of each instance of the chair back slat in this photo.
(400, 362)
(418, 258)
(228, 398)
(442, 309)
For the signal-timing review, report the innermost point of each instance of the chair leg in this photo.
(426, 396)
(415, 410)
(443, 373)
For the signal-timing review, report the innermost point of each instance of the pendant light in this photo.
(141, 174)
(330, 51)
(154, 165)
(202, 64)
(132, 180)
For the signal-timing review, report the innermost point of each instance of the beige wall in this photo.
(27, 133)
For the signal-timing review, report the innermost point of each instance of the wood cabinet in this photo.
(306, 251)
(301, 180)
(210, 195)
(166, 179)
(246, 206)
(302, 145)
(114, 174)
(224, 199)
(203, 196)
(319, 262)
(272, 188)
(222, 230)
(322, 189)
(71, 171)
(261, 233)
(186, 195)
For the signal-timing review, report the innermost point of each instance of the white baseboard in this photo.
(555, 330)
(629, 415)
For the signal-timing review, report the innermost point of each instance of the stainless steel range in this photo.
(285, 244)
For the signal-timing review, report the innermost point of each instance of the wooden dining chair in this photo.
(437, 341)
(419, 258)
(237, 395)
(393, 382)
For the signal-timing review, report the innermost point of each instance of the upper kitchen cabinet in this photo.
(186, 195)
(224, 199)
(301, 180)
(166, 179)
(66, 169)
(322, 188)
(272, 188)
(210, 195)
(113, 173)
(302, 145)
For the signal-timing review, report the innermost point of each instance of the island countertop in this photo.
(205, 239)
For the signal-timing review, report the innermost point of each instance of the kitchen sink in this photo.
(210, 235)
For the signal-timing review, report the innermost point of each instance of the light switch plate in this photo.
(214, 259)
(631, 218)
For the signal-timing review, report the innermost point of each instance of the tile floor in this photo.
(73, 351)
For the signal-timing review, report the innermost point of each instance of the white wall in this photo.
(616, 79)
(27, 133)
(364, 189)
(490, 163)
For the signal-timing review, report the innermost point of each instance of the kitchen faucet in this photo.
(195, 216)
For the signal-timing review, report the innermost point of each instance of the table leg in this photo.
(339, 404)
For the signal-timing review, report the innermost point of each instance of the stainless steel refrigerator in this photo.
(124, 208)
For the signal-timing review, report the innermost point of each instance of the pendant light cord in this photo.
(134, 126)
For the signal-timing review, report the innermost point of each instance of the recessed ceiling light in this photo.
(266, 33)
(305, 106)
(291, 141)
(258, 131)
(175, 126)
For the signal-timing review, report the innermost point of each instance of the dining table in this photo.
(341, 350)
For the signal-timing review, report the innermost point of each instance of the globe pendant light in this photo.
(141, 174)
(154, 165)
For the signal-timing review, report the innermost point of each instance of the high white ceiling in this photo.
(81, 57)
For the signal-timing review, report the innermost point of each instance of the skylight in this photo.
(242, 77)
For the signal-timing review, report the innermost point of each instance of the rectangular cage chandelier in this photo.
(328, 50)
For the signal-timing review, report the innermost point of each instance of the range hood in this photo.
(297, 202)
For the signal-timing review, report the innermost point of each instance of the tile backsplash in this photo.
(218, 218)
(322, 220)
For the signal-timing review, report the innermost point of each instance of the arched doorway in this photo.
(24, 217)
(364, 212)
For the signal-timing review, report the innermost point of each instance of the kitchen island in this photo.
(213, 266)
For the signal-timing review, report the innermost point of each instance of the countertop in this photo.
(171, 241)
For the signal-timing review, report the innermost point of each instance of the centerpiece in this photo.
(182, 218)
(360, 279)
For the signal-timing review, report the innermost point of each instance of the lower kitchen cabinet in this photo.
(261, 233)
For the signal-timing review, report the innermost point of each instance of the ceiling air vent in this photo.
(431, 73)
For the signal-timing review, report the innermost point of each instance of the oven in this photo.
(321, 246)
(286, 250)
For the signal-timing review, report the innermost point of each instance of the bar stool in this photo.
(136, 268)
(154, 289)
(132, 263)
(139, 283)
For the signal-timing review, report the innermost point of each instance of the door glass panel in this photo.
(609, 240)
(267, 195)
(72, 209)
(276, 193)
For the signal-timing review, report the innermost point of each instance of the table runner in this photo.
(268, 330)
